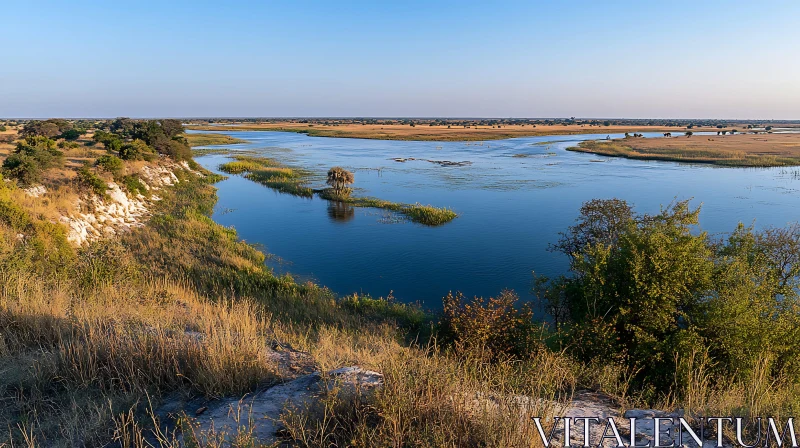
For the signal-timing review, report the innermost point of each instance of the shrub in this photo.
(493, 327)
(177, 150)
(135, 186)
(88, 179)
(136, 150)
(646, 289)
(111, 164)
(41, 149)
(3, 128)
(25, 169)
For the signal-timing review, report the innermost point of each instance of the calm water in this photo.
(513, 200)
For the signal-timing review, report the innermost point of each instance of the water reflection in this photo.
(340, 211)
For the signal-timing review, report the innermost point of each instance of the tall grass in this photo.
(269, 173)
(423, 214)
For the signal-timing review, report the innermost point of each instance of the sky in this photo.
(613, 59)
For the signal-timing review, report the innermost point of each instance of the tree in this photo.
(689, 133)
(136, 150)
(71, 134)
(23, 168)
(47, 128)
(339, 178)
(635, 281)
(171, 128)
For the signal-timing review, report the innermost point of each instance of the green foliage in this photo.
(136, 150)
(23, 168)
(3, 128)
(645, 290)
(135, 186)
(47, 128)
(31, 157)
(88, 179)
(407, 316)
(177, 150)
(71, 134)
(111, 164)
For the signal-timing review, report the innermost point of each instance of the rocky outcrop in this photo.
(98, 217)
(258, 416)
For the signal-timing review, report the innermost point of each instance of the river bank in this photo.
(739, 150)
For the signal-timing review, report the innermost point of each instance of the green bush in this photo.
(136, 150)
(111, 164)
(88, 179)
(25, 169)
(645, 290)
(177, 150)
(135, 186)
(43, 150)
(71, 134)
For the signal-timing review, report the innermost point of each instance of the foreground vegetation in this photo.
(653, 313)
(761, 150)
(273, 174)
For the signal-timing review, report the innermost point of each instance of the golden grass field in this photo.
(437, 132)
(736, 150)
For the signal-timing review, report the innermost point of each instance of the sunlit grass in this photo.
(422, 214)
(269, 173)
(211, 139)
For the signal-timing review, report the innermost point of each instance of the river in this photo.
(513, 199)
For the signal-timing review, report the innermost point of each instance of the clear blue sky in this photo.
(721, 59)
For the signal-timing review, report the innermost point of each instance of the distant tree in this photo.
(122, 126)
(768, 128)
(689, 133)
(71, 134)
(606, 123)
(172, 128)
(339, 178)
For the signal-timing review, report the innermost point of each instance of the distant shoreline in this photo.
(442, 133)
(741, 150)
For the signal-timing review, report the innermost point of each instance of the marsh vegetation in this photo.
(277, 176)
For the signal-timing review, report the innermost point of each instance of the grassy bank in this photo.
(764, 150)
(207, 139)
(273, 174)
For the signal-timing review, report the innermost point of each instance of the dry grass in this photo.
(434, 133)
(730, 150)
